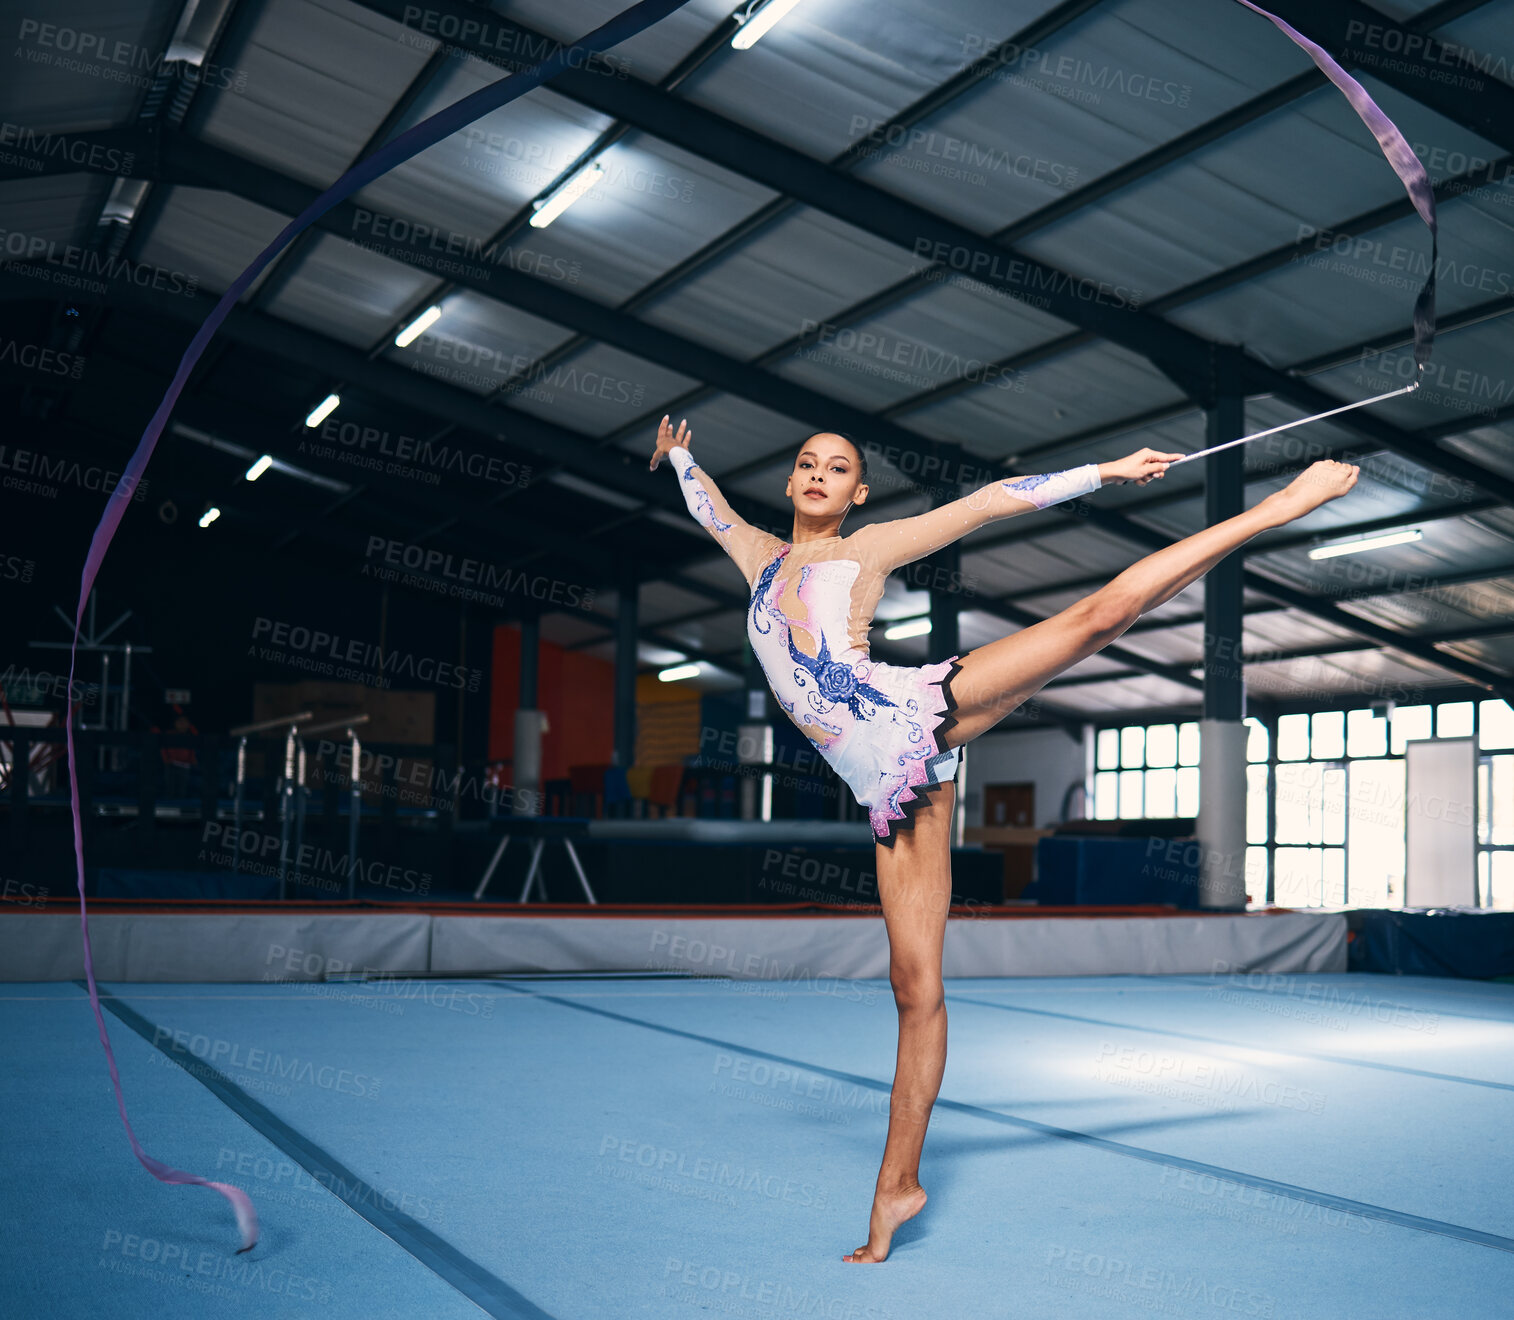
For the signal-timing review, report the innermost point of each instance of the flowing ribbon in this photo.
(1400, 155)
(393, 153)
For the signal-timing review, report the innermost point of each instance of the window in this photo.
(1146, 772)
(1325, 796)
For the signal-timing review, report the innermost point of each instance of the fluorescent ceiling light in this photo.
(1403, 537)
(209, 516)
(758, 22)
(679, 671)
(327, 406)
(909, 628)
(260, 467)
(560, 199)
(288, 469)
(418, 327)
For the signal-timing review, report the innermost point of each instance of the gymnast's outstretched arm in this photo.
(907, 539)
(748, 546)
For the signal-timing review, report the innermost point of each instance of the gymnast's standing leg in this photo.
(914, 876)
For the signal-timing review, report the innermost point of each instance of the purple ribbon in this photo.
(1404, 162)
(414, 140)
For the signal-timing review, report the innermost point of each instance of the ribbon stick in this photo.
(1411, 173)
(1288, 426)
(392, 154)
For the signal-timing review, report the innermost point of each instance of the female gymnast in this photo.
(893, 732)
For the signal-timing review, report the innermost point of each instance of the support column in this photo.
(754, 742)
(530, 723)
(625, 671)
(1222, 756)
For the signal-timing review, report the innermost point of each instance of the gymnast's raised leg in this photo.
(996, 678)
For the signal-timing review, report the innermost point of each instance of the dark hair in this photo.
(855, 444)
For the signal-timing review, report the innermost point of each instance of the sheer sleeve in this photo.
(748, 546)
(907, 539)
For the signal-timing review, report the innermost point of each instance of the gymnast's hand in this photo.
(1142, 466)
(666, 440)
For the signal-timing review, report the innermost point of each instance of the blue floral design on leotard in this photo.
(761, 619)
(1024, 485)
(837, 682)
(702, 499)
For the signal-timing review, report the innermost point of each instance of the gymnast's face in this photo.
(827, 477)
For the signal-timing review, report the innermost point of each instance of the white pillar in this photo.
(1222, 813)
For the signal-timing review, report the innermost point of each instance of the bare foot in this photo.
(889, 1211)
(1318, 484)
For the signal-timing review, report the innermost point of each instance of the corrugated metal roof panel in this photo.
(947, 335)
(812, 76)
(649, 55)
(297, 106)
(791, 274)
(1105, 89)
(1265, 185)
(345, 292)
(210, 234)
(1361, 288)
(84, 66)
(599, 390)
(1086, 387)
(1487, 35)
(1468, 375)
(58, 209)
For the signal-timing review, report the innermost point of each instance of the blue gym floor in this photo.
(1309, 1146)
